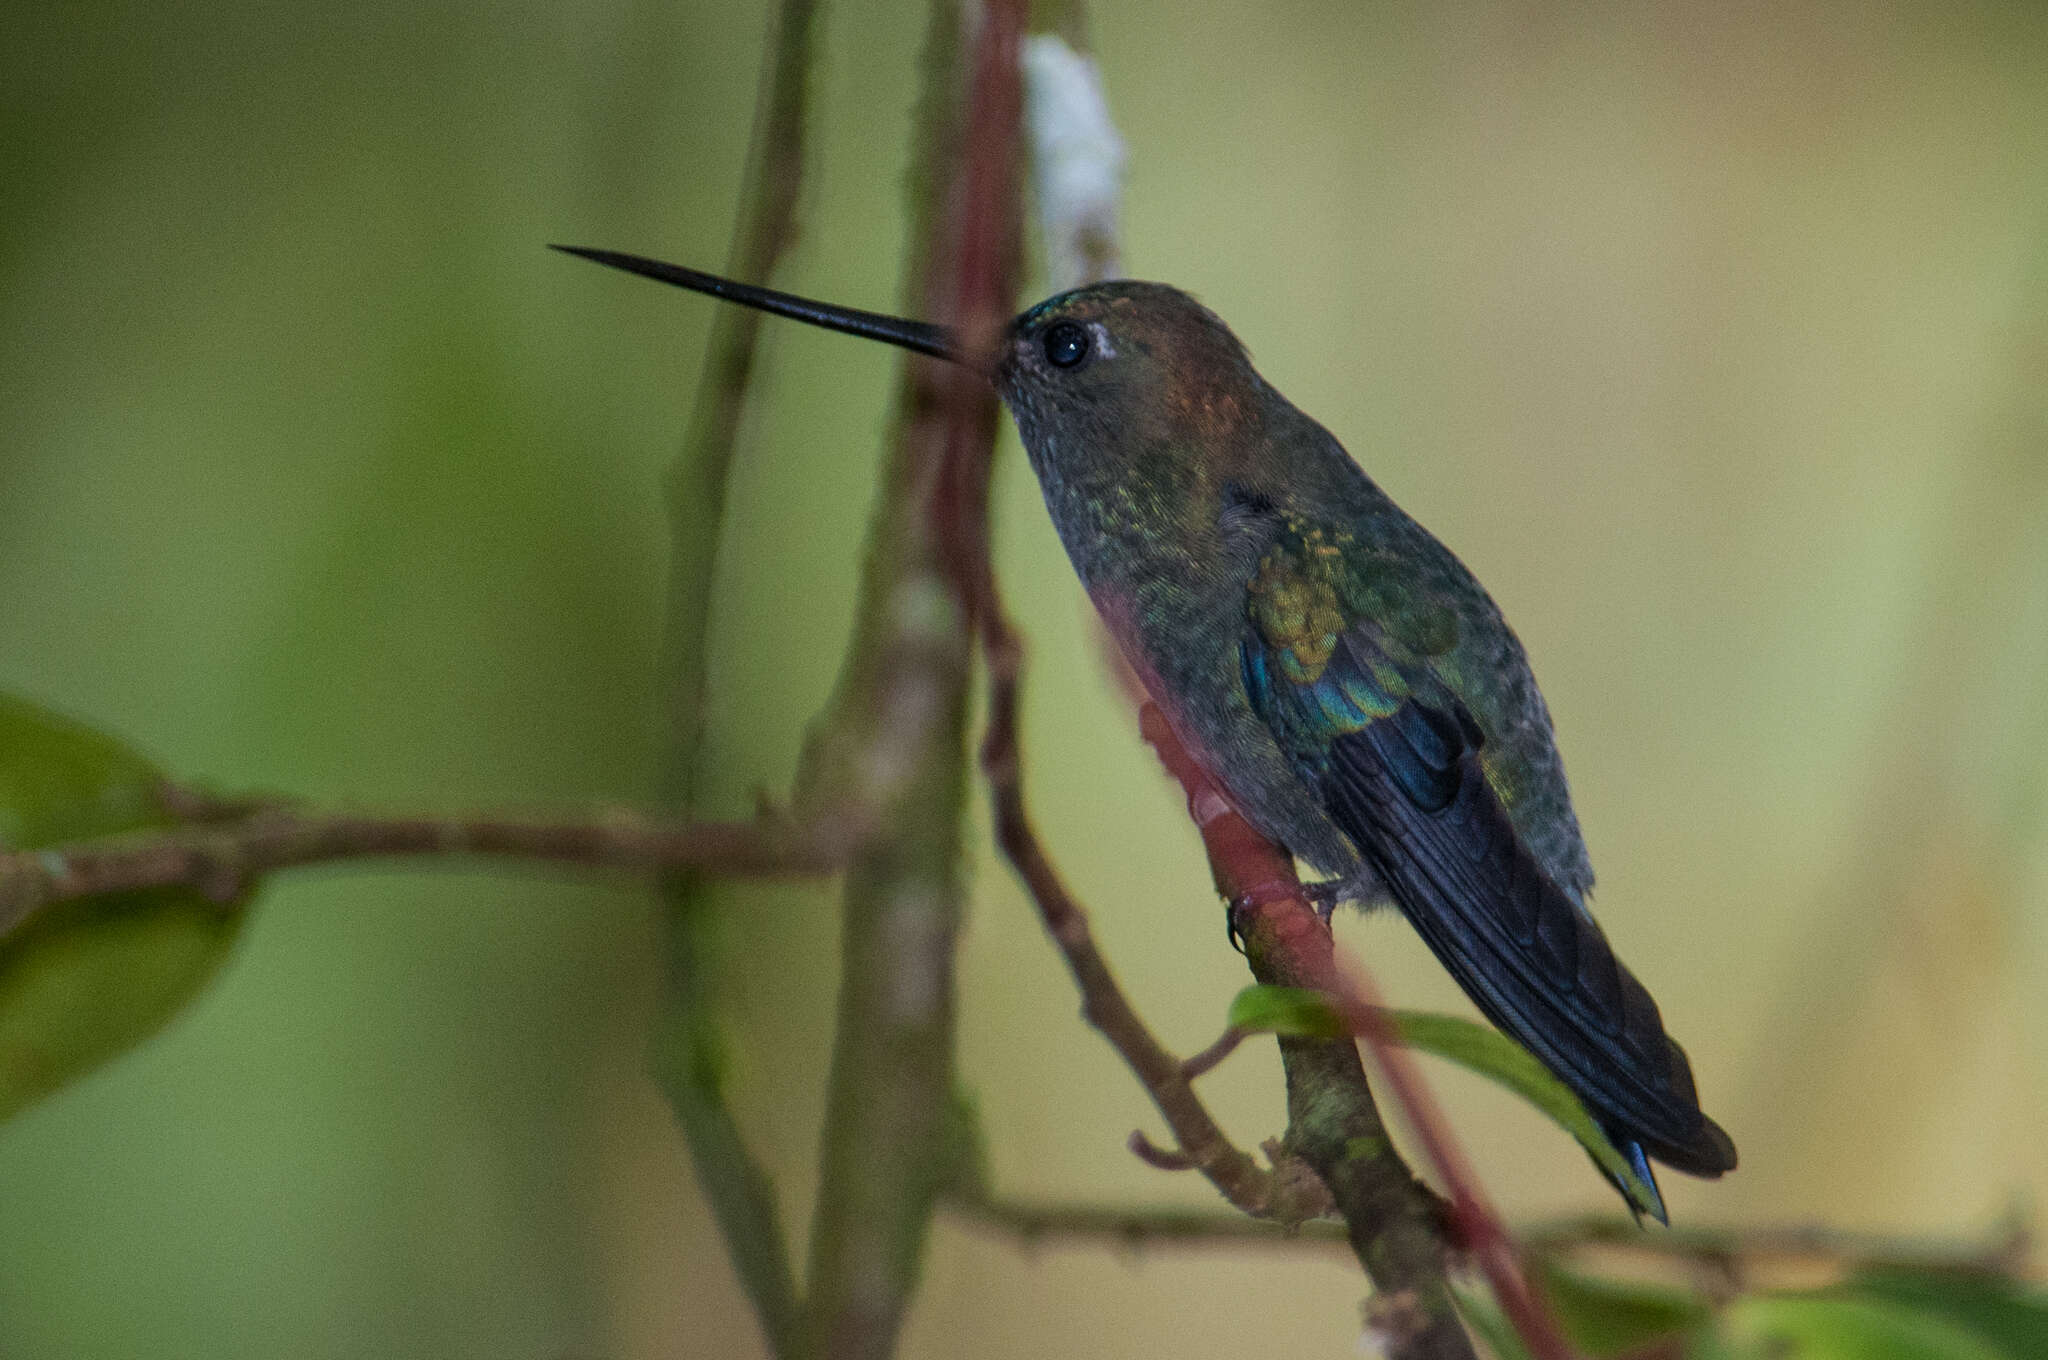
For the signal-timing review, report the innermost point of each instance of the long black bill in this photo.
(921, 336)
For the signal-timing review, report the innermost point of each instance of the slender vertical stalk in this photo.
(686, 1055)
(902, 711)
(697, 479)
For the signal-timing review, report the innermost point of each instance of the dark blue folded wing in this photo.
(1395, 758)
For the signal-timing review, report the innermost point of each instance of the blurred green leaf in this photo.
(1298, 1011)
(1488, 1325)
(1309, 1014)
(84, 981)
(60, 780)
(1495, 1056)
(1607, 1317)
(1833, 1326)
(1887, 1315)
(2010, 1315)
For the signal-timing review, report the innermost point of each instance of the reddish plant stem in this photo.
(984, 286)
(982, 296)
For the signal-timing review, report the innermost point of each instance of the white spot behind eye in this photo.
(1100, 334)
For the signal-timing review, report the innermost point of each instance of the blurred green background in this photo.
(1716, 342)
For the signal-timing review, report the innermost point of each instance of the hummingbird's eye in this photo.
(1066, 344)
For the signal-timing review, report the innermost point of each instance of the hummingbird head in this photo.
(1114, 361)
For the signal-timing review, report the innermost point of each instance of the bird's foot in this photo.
(1258, 895)
(1325, 895)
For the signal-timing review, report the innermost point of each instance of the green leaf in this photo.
(1309, 1014)
(84, 981)
(1831, 1326)
(1485, 1321)
(60, 780)
(1299, 1012)
(1609, 1317)
(2010, 1315)
(1604, 1318)
(1495, 1056)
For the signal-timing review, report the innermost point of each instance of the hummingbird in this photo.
(1341, 676)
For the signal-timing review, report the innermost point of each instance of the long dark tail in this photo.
(1409, 790)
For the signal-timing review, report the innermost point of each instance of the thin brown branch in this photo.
(2005, 1251)
(220, 859)
(1212, 1056)
(1201, 1141)
(1155, 1156)
(1139, 1226)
